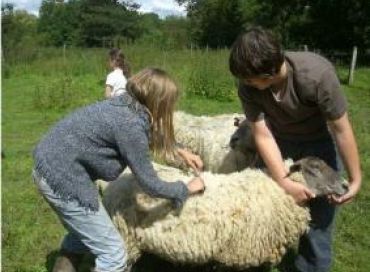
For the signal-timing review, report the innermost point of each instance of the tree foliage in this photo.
(88, 22)
(339, 24)
(325, 24)
(214, 23)
(18, 30)
(60, 22)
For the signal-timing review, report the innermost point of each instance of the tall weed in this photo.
(210, 79)
(57, 94)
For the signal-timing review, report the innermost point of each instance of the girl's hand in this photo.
(192, 160)
(196, 185)
(298, 191)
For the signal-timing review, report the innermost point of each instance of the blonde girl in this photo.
(99, 142)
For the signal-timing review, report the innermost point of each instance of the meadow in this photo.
(41, 86)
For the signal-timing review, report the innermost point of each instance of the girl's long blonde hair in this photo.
(154, 89)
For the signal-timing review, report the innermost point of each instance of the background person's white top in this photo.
(117, 81)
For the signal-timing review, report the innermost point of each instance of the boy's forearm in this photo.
(271, 155)
(273, 160)
(347, 146)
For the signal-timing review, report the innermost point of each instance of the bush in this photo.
(57, 95)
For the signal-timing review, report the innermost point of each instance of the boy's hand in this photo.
(353, 189)
(196, 185)
(192, 160)
(298, 191)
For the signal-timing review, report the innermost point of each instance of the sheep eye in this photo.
(295, 167)
(315, 164)
(313, 172)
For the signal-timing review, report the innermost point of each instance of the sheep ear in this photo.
(102, 185)
(295, 168)
(236, 121)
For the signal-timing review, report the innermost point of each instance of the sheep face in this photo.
(319, 177)
(242, 140)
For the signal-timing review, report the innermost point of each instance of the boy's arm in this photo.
(270, 153)
(343, 134)
(333, 106)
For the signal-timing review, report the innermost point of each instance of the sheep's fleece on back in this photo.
(209, 137)
(243, 219)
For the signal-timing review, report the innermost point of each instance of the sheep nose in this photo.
(345, 187)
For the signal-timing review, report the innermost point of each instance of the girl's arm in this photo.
(108, 91)
(271, 155)
(133, 144)
(343, 134)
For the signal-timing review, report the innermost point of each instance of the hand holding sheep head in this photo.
(319, 177)
(300, 192)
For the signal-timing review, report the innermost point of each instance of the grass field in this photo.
(41, 88)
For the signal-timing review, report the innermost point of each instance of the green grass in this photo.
(36, 94)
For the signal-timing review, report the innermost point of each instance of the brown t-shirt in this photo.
(312, 95)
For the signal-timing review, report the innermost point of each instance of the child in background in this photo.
(117, 79)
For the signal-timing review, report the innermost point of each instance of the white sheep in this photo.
(243, 219)
(209, 136)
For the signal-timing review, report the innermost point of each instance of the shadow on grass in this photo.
(50, 260)
(151, 263)
(86, 265)
(287, 263)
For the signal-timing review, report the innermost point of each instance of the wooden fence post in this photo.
(64, 53)
(353, 65)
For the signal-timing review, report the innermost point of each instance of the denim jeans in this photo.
(315, 247)
(87, 230)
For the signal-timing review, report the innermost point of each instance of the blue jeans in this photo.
(87, 230)
(315, 247)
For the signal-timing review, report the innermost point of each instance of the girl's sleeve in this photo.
(133, 145)
(110, 80)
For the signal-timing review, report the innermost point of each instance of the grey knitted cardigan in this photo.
(98, 142)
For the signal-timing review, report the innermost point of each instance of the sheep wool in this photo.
(242, 219)
(209, 136)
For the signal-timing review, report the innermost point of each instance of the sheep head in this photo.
(242, 139)
(319, 177)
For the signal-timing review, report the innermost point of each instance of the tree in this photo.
(18, 31)
(214, 23)
(88, 22)
(60, 22)
(108, 20)
(339, 24)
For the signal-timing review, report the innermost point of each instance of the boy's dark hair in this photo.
(255, 52)
(115, 54)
